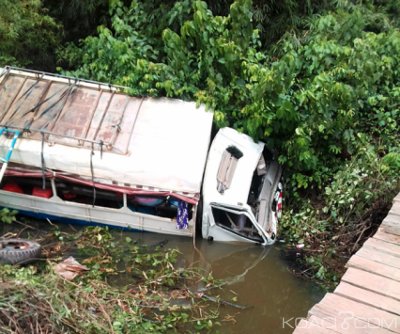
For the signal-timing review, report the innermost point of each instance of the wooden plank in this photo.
(389, 224)
(373, 282)
(391, 219)
(305, 327)
(338, 307)
(374, 267)
(391, 229)
(377, 256)
(368, 297)
(383, 246)
(395, 210)
(348, 325)
(382, 235)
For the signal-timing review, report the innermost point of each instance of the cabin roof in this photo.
(151, 142)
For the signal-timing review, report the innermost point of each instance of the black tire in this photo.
(18, 251)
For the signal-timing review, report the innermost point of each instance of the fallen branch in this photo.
(366, 227)
(225, 302)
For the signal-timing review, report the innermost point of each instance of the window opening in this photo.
(257, 183)
(161, 206)
(27, 186)
(71, 192)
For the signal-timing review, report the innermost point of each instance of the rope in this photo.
(43, 163)
(65, 95)
(25, 95)
(34, 108)
(92, 174)
(101, 148)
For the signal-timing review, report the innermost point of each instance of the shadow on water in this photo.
(252, 276)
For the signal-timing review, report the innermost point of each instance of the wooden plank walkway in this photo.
(367, 300)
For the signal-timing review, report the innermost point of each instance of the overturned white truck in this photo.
(85, 152)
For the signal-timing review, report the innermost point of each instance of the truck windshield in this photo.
(237, 222)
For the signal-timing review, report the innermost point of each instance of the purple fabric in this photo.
(182, 221)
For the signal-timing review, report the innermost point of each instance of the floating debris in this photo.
(69, 268)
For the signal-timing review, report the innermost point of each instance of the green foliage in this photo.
(201, 56)
(325, 91)
(353, 202)
(27, 34)
(359, 183)
(275, 18)
(7, 216)
(79, 18)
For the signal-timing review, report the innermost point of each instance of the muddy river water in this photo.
(260, 278)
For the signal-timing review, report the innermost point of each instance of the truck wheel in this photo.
(18, 251)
